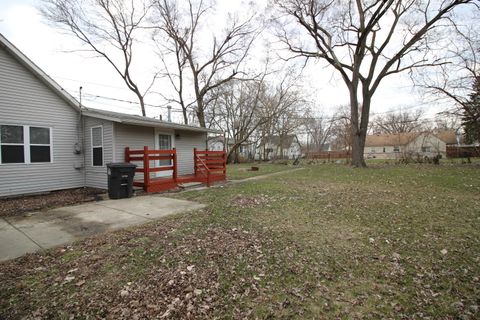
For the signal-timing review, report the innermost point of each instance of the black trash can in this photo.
(120, 180)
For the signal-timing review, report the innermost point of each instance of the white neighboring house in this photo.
(48, 142)
(277, 147)
(413, 144)
(246, 149)
(216, 143)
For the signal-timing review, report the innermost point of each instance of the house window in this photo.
(39, 144)
(25, 144)
(165, 143)
(383, 149)
(12, 144)
(425, 149)
(396, 149)
(97, 146)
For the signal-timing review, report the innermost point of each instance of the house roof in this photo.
(108, 115)
(447, 136)
(141, 121)
(401, 139)
(398, 139)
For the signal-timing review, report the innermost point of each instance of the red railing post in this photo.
(195, 160)
(175, 165)
(127, 154)
(224, 155)
(146, 167)
(208, 178)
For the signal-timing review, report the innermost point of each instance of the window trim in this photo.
(26, 144)
(92, 146)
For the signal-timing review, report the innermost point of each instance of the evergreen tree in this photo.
(471, 115)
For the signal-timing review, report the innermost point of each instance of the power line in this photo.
(91, 97)
(93, 83)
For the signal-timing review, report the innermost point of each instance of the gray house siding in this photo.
(24, 100)
(97, 176)
(185, 142)
(136, 137)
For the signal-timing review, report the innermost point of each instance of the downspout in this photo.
(82, 125)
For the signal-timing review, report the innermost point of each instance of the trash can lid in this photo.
(121, 165)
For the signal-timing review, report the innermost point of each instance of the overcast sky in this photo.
(22, 24)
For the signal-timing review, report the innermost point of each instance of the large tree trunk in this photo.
(357, 151)
(359, 126)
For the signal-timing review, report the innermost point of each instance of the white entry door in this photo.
(164, 141)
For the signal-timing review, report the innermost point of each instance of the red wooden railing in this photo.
(201, 167)
(145, 156)
(209, 166)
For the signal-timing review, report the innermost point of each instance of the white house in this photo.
(276, 147)
(49, 142)
(413, 144)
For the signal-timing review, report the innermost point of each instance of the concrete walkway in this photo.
(47, 229)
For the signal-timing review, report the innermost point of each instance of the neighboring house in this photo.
(216, 143)
(246, 149)
(414, 144)
(450, 137)
(49, 143)
(276, 147)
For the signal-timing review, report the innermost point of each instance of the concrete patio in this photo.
(47, 229)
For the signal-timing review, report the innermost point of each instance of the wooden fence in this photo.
(329, 155)
(463, 151)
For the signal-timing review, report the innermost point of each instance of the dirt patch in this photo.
(21, 205)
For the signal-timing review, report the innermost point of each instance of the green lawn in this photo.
(325, 242)
(243, 170)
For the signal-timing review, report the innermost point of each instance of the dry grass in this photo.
(325, 242)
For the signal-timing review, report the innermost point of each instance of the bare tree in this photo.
(209, 67)
(454, 81)
(319, 130)
(341, 129)
(458, 81)
(283, 108)
(365, 42)
(239, 111)
(107, 27)
(287, 124)
(398, 122)
(447, 121)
